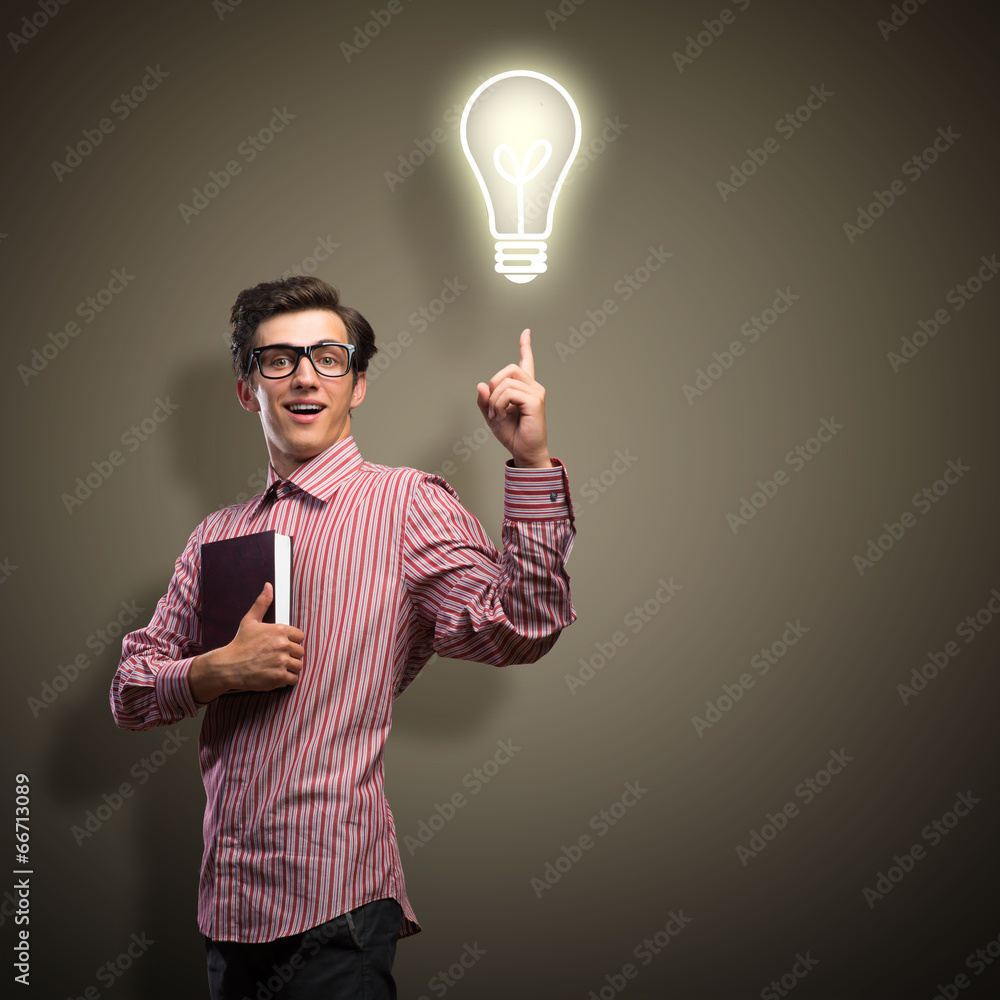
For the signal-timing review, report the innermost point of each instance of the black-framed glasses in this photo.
(330, 359)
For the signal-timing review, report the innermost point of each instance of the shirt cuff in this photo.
(173, 693)
(536, 494)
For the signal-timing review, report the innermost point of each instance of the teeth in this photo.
(305, 408)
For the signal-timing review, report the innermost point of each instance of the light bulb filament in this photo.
(519, 174)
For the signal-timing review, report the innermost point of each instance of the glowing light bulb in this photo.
(521, 132)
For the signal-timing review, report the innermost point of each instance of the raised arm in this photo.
(480, 604)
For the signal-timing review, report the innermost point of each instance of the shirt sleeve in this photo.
(150, 687)
(483, 605)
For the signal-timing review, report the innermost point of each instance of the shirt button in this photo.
(553, 495)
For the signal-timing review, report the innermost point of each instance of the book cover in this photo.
(233, 573)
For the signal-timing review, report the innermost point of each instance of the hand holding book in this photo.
(262, 657)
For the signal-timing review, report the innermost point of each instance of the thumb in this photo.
(483, 398)
(263, 602)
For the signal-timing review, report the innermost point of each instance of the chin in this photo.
(308, 449)
(310, 446)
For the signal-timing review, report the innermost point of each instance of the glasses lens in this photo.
(276, 362)
(329, 359)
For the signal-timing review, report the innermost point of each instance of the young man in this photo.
(301, 876)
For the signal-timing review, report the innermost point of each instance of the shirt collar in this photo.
(322, 475)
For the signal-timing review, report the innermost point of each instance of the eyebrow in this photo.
(339, 343)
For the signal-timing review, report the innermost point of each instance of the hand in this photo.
(263, 656)
(514, 407)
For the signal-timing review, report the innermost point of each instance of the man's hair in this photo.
(294, 294)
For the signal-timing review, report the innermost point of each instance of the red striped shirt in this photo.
(388, 569)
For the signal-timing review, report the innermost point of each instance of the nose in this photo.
(304, 373)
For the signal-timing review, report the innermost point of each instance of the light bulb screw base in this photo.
(530, 255)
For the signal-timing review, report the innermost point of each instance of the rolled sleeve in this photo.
(537, 494)
(173, 692)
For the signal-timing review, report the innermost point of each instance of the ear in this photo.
(246, 395)
(359, 390)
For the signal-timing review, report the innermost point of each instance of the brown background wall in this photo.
(659, 518)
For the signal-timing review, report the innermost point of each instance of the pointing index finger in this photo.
(527, 359)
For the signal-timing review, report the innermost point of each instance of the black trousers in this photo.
(347, 958)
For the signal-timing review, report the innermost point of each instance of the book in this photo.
(233, 573)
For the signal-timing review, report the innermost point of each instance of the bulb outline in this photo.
(577, 135)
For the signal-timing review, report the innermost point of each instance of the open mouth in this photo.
(304, 413)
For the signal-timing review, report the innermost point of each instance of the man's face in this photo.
(294, 438)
